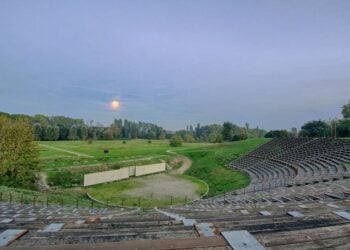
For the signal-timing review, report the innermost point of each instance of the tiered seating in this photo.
(274, 227)
(298, 198)
(289, 161)
(79, 226)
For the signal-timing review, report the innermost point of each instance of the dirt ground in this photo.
(164, 185)
(186, 164)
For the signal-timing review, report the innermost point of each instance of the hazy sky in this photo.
(275, 64)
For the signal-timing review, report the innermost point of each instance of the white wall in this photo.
(106, 176)
(123, 173)
(150, 169)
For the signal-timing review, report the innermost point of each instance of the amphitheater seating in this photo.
(299, 197)
(296, 161)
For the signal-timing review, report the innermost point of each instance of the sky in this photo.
(273, 64)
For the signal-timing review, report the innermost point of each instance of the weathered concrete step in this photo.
(99, 237)
(292, 237)
(283, 226)
(214, 243)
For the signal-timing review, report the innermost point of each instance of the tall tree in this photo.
(227, 132)
(37, 131)
(72, 133)
(346, 110)
(315, 129)
(18, 154)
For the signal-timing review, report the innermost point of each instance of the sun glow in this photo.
(114, 105)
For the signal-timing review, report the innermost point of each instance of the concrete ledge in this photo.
(186, 243)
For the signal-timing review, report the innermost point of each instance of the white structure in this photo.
(123, 173)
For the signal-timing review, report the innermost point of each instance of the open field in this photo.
(55, 154)
(65, 163)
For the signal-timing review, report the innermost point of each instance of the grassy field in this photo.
(208, 164)
(65, 163)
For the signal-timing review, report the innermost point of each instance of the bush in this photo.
(175, 141)
(65, 178)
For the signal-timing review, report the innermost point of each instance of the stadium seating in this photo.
(298, 198)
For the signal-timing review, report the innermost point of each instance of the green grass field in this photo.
(67, 161)
(53, 157)
(209, 163)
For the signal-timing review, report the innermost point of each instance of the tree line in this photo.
(217, 133)
(53, 128)
(319, 128)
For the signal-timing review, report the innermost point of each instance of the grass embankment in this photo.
(74, 176)
(208, 164)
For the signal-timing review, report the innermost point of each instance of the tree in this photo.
(189, 138)
(346, 110)
(18, 154)
(227, 131)
(277, 134)
(84, 132)
(72, 133)
(56, 132)
(315, 129)
(49, 133)
(37, 131)
(175, 141)
(343, 128)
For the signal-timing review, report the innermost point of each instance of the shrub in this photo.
(175, 141)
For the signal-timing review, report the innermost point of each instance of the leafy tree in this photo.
(49, 133)
(18, 154)
(315, 129)
(175, 141)
(72, 133)
(37, 131)
(277, 134)
(56, 132)
(343, 128)
(84, 132)
(227, 131)
(189, 138)
(346, 110)
(218, 139)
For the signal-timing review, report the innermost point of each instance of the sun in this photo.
(114, 105)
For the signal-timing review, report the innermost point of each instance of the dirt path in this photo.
(67, 151)
(186, 164)
(43, 180)
(162, 186)
(165, 185)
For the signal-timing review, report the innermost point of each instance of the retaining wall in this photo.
(106, 176)
(150, 169)
(123, 173)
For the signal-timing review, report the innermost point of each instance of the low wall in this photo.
(150, 169)
(106, 176)
(123, 173)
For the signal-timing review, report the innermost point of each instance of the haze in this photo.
(275, 64)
